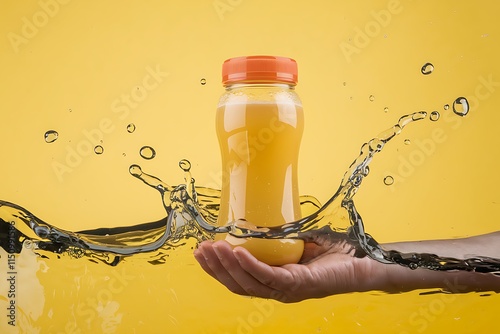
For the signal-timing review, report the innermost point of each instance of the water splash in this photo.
(192, 214)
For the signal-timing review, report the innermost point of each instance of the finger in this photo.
(198, 255)
(245, 280)
(216, 269)
(277, 279)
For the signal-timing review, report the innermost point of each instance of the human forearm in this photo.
(399, 278)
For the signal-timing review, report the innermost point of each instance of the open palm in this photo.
(330, 264)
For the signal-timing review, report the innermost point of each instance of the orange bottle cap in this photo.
(259, 69)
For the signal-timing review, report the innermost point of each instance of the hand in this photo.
(330, 264)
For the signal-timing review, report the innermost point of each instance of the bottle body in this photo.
(259, 127)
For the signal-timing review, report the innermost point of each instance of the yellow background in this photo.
(70, 71)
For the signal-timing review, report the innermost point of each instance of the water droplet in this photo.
(70, 110)
(461, 106)
(185, 165)
(344, 83)
(28, 244)
(124, 154)
(147, 152)
(371, 98)
(51, 136)
(203, 81)
(376, 144)
(407, 142)
(413, 266)
(386, 109)
(357, 180)
(427, 69)
(135, 170)
(388, 180)
(131, 128)
(434, 116)
(419, 115)
(446, 107)
(98, 149)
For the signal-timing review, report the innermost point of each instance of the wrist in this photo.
(374, 275)
(396, 279)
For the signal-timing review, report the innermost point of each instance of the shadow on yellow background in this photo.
(87, 69)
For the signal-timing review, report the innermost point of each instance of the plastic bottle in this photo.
(259, 125)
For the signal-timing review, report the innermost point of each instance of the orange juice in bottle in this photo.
(259, 125)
